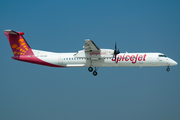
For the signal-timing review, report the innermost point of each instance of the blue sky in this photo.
(29, 91)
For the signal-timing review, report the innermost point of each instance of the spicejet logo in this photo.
(132, 58)
(21, 48)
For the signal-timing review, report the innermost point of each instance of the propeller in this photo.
(116, 52)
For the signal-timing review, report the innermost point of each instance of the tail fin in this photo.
(18, 44)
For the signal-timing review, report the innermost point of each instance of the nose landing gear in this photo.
(168, 69)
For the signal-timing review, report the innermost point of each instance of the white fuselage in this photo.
(122, 60)
(91, 56)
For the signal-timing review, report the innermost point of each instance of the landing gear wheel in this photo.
(168, 69)
(94, 73)
(90, 69)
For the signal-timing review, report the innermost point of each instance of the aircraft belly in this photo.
(75, 63)
(52, 60)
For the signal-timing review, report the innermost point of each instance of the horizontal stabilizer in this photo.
(11, 32)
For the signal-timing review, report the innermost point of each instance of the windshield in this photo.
(162, 56)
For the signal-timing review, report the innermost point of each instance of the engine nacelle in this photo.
(102, 53)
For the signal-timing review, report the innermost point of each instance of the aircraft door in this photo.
(60, 61)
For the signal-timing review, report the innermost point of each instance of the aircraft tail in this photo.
(22, 51)
(18, 44)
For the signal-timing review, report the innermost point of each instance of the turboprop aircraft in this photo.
(90, 57)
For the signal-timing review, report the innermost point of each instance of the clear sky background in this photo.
(34, 92)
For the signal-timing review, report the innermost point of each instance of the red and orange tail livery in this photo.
(18, 44)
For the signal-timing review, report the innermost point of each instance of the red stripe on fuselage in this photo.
(35, 60)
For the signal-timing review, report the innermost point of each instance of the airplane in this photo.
(90, 57)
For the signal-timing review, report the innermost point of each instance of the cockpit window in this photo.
(162, 56)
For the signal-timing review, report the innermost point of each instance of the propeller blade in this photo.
(115, 58)
(116, 51)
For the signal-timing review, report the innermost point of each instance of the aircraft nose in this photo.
(173, 63)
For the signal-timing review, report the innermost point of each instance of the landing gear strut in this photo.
(168, 69)
(95, 73)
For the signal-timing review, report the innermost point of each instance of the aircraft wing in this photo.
(90, 46)
(91, 50)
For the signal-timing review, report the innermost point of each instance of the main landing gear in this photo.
(168, 69)
(95, 71)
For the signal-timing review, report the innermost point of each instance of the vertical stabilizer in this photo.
(18, 44)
